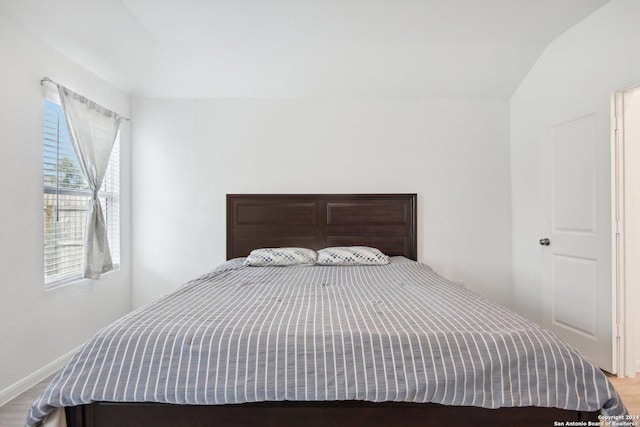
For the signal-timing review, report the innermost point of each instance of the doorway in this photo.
(626, 227)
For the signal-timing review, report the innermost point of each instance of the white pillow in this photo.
(266, 257)
(351, 255)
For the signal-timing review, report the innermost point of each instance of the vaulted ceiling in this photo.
(303, 48)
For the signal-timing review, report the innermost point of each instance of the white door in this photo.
(577, 281)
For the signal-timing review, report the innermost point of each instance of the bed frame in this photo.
(316, 221)
(385, 221)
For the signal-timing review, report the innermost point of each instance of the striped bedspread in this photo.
(398, 332)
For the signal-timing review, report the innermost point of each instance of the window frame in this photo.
(110, 194)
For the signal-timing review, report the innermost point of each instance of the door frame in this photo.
(624, 279)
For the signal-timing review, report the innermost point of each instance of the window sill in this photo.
(78, 280)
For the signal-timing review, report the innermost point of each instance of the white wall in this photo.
(579, 70)
(38, 327)
(189, 153)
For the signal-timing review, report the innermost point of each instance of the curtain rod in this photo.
(47, 79)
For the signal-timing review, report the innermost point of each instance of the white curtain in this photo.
(93, 130)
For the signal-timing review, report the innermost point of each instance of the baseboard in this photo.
(638, 365)
(29, 381)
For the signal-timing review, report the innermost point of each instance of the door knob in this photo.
(545, 242)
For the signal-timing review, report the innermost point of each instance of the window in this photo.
(65, 200)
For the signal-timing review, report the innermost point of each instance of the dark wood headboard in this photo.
(316, 221)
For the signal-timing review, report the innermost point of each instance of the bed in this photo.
(392, 344)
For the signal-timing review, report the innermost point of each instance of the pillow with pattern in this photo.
(351, 255)
(266, 257)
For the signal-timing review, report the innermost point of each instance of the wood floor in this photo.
(629, 390)
(14, 413)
